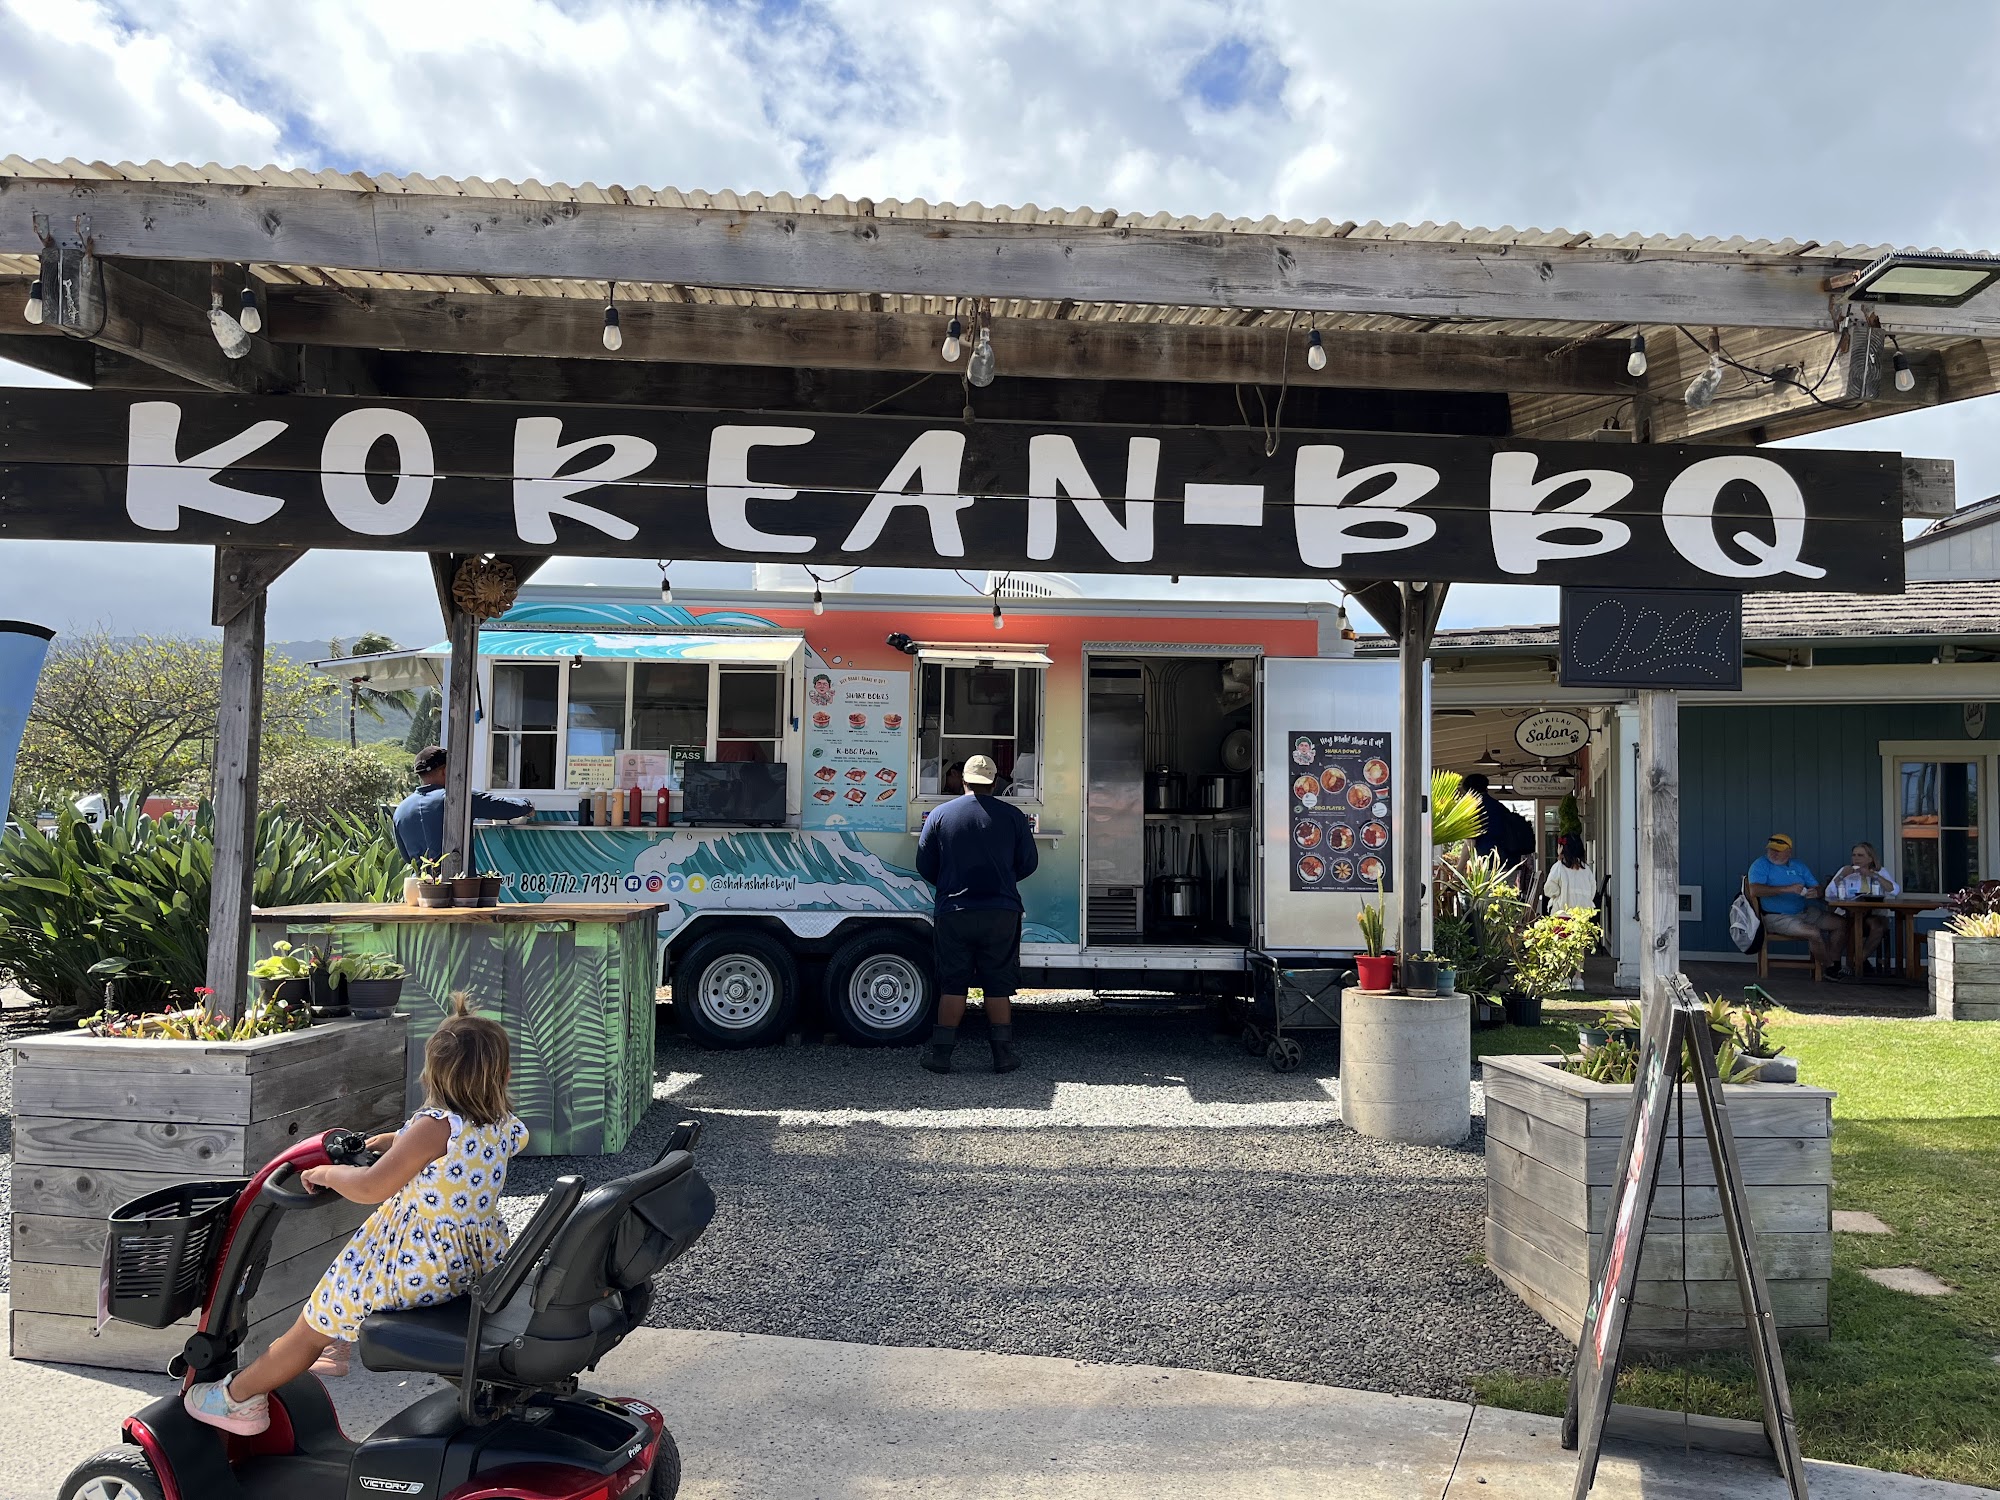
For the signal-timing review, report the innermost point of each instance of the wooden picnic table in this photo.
(1904, 909)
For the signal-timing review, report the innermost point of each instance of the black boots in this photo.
(937, 1057)
(1005, 1060)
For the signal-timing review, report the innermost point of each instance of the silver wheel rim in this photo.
(738, 991)
(887, 991)
(107, 1488)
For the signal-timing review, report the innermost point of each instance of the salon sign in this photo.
(1552, 734)
(469, 476)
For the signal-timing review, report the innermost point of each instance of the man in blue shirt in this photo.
(976, 849)
(419, 819)
(1788, 895)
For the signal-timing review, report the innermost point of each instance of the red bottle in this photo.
(635, 811)
(663, 807)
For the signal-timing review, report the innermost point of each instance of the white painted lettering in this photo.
(1327, 525)
(343, 471)
(542, 491)
(1223, 505)
(934, 460)
(730, 491)
(1689, 516)
(1522, 531)
(159, 484)
(1055, 468)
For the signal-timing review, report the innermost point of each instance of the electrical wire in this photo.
(903, 392)
(1810, 392)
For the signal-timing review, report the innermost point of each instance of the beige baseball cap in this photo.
(980, 771)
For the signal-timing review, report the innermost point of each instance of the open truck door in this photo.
(1334, 719)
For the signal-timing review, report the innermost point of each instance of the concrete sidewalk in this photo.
(761, 1418)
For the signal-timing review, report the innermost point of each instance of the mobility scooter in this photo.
(576, 1280)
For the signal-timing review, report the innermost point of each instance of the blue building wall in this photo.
(1811, 770)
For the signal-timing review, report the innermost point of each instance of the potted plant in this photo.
(466, 890)
(490, 882)
(1751, 1032)
(433, 889)
(370, 983)
(286, 975)
(1447, 978)
(411, 883)
(1420, 974)
(1965, 956)
(1374, 969)
(1551, 957)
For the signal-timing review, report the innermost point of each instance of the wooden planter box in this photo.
(100, 1120)
(1552, 1143)
(1965, 977)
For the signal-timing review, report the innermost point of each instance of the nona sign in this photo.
(478, 476)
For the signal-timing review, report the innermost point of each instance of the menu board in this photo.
(858, 750)
(1341, 826)
(589, 773)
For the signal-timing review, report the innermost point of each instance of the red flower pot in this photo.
(1375, 971)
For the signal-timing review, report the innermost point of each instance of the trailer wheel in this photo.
(114, 1474)
(736, 989)
(880, 989)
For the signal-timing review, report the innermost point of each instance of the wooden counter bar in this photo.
(574, 985)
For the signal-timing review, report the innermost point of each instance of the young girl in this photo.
(438, 1229)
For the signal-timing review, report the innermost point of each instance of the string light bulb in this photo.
(954, 340)
(1346, 626)
(1906, 378)
(979, 369)
(249, 314)
(1315, 351)
(666, 588)
(33, 311)
(999, 620)
(614, 336)
(1635, 362)
(819, 603)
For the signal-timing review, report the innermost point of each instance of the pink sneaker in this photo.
(209, 1402)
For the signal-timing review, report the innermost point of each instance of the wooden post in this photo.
(1659, 843)
(241, 577)
(461, 687)
(1421, 605)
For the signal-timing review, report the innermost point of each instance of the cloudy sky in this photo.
(1835, 121)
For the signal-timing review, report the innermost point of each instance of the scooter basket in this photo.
(161, 1250)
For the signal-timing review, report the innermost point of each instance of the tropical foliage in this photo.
(1456, 814)
(364, 701)
(319, 781)
(1552, 951)
(129, 902)
(1480, 922)
(201, 1022)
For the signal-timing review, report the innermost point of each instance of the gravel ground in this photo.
(1140, 1192)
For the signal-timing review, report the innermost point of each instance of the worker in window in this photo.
(419, 818)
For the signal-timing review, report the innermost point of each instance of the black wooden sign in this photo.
(1666, 1030)
(1652, 638)
(444, 476)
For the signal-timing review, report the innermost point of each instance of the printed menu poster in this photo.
(858, 750)
(1341, 827)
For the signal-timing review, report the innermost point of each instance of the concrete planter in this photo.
(1552, 1143)
(1965, 977)
(100, 1120)
(1406, 1067)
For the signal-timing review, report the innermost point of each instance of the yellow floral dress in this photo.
(431, 1241)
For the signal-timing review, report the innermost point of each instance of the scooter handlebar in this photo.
(343, 1148)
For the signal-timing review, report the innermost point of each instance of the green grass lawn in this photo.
(1905, 1382)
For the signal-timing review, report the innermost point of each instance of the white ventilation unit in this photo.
(792, 578)
(1033, 586)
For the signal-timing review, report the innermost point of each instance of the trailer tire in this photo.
(880, 988)
(736, 989)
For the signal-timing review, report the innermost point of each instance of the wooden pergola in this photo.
(418, 289)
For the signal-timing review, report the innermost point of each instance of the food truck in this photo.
(1206, 781)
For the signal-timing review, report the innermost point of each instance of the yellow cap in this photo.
(1779, 841)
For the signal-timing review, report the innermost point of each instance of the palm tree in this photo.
(362, 699)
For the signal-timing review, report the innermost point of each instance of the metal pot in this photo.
(1179, 897)
(1219, 793)
(1166, 790)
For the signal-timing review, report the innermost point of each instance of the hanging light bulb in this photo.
(1315, 351)
(954, 340)
(614, 336)
(33, 311)
(999, 620)
(1346, 626)
(1635, 362)
(1906, 378)
(666, 588)
(819, 602)
(1701, 390)
(228, 332)
(979, 369)
(250, 315)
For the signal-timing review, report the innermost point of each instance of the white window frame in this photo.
(999, 660)
(494, 734)
(1983, 753)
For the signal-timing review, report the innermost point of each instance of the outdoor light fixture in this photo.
(614, 336)
(1909, 279)
(1345, 625)
(1489, 760)
(1635, 362)
(33, 311)
(954, 340)
(250, 315)
(666, 588)
(819, 601)
(576, 662)
(1701, 390)
(1906, 378)
(1315, 351)
(999, 620)
(979, 369)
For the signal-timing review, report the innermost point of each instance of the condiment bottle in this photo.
(586, 809)
(601, 805)
(617, 807)
(635, 813)
(663, 807)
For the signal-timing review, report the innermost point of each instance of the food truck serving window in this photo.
(980, 707)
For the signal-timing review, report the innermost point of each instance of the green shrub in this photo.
(129, 902)
(319, 780)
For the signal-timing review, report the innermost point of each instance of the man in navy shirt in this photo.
(419, 819)
(976, 849)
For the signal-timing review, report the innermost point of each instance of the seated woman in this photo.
(1863, 876)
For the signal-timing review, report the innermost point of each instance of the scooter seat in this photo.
(430, 1339)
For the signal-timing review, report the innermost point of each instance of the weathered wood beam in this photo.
(243, 574)
(1421, 604)
(1745, 407)
(64, 358)
(717, 334)
(431, 234)
(172, 334)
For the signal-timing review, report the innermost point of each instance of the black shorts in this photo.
(979, 948)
